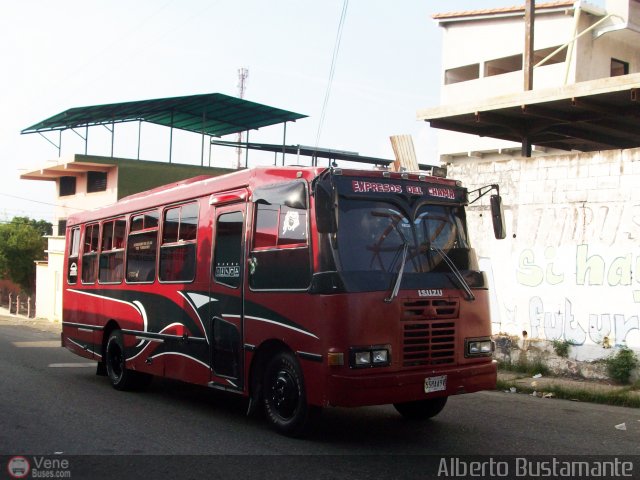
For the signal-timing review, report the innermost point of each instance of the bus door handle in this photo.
(253, 264)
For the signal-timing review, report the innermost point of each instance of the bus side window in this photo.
(142, 248)
(90, 253)
(228, 249)
(178, 247)
(74, 250)
(280, 248)
(111, 269)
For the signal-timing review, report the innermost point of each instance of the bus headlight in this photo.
(362, 359)
(373, 356)
(479, 347)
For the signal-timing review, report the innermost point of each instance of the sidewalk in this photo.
(543, 386)
(41, 324)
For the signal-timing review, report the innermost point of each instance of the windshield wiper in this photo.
(396, 286)
(456, 273)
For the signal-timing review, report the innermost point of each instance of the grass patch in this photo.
(561, 347)
(524, 365)
(623, 397)
(620, 365)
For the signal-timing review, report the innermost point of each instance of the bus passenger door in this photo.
(227, 271)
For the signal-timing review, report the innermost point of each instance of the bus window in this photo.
(178, 248)
(142, 248)
(228, 251)
(280, 249)
(74, 250)
(111, 268)
(90, 253)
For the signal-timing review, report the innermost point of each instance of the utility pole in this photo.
(527, 63)
(529, 21)
(243, 73)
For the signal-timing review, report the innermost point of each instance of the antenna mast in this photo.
(243, 73)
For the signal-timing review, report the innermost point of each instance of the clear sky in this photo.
(71, 53)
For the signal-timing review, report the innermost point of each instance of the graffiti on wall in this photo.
(574, 224)
(603, 285)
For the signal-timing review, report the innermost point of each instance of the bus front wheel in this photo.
(120, 377)
(421, 409)
(284, 397)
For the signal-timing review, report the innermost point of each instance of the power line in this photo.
(40, 202)
(334, 59)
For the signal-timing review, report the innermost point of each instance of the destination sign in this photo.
(441, 192)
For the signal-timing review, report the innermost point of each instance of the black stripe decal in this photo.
(82, 325)
(163, 336)
(314, 357)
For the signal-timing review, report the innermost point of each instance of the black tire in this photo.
(285, 402)
(120, 377)
(421, 409)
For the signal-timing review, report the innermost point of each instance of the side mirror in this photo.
(497, 215)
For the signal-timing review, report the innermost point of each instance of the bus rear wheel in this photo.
(120, 377)
(285, 402)
(421, 409)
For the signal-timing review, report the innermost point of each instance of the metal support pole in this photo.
(86, 139)
(209, 151)
(284, 142)
(113, 136)
(526, 146)
(60, 145)
(171, 138)
(202, 147)
(246, 153)
(51, 142)
(139, 134)
(529, 22)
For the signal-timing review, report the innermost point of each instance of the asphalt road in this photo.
(52, 403)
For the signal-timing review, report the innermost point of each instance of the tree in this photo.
(21, 244)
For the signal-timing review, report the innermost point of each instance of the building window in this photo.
(540, 55)
(503, 65)
(67, 186)
(96, 181)
(462, 74)
(618, 67)
(62, 226)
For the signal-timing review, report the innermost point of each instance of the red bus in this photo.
(296, 287)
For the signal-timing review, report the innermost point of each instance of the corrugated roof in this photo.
(214, 114)
(498, 11)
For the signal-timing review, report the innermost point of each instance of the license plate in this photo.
(435, 384)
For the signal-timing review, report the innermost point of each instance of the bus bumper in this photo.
(384, 388)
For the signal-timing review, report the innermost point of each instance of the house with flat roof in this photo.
(574, 42)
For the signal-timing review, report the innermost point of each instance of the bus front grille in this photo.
(429, 332)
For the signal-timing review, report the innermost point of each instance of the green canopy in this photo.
(212, 114)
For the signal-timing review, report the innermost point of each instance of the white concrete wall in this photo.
(570, 266)
(49, 281)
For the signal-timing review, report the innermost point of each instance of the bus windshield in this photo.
(372, 236)
(420, 243)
